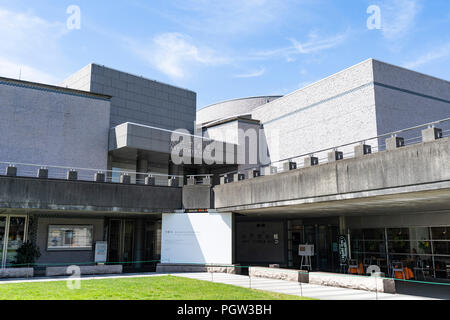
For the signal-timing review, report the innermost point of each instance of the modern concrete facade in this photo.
(393, 205)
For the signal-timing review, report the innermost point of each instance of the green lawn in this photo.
(151, 288)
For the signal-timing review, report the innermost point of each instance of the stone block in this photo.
(362, 150)
(311, 161)
(125, 179)
(11, 171)
(394, 143)
(42, 173)
(290, 165)
(335, 156)
(279, 274)
(72, 175)
(17, 273)
(150, 181)
(85, 270)
(99, 177)
(254, 174)
(431, 134)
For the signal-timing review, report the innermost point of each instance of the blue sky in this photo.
(222, 49)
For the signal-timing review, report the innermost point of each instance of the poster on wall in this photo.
(197, 238)
(101, 250)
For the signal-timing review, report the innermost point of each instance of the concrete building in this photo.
(331, 170)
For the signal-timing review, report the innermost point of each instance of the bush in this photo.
(27, 254)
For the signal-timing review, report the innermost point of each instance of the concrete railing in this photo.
(361, 148)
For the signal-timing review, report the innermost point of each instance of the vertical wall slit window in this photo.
(424, 250)
(13, 233)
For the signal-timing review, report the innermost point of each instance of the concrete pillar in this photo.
(141, 167)
(42, 173)
(268, 171)
(394, 143)
(288, 166)
(72, 175)
(191, 181)
(335, 156)
(206, 180)
(431, 134)
(342, 225)
(239, 177)
(150, 181)
(11, 171)
(311, 161)
(139, 242)
(254, 174)
(362, 150)
(125, 179)
(99, 177)
(173, 182)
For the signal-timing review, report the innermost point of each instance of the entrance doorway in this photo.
(121, 241)
(13, 233)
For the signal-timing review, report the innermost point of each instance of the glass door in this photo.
(13, 231)
(2, 239)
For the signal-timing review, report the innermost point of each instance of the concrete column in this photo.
(288, 166)
(99, 177)
(431, 134)
(342, 225)
(311, 161)
(191, 181)
(150, 181)
(11, 171)
(139, 242)
(72, 175)
(268, 171)
(141, 167)
(394, 143)
(254, 174)
(362, 150)
(335, 156)
(42, 173)
(125, 179)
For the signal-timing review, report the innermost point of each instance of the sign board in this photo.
(197, 238)
(343, 249)
(306, 250)
(101, 251)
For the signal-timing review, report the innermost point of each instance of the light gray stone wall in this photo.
(49, 127)
(232, 108)
(139, 100)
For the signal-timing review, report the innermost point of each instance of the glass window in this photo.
(441, 233)
(441, 247)
(373, 234)
(397, 234)
(419, 233)
(70, 237)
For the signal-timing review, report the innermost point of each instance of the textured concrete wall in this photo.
(48, 256)
(334, 111)
(140, 100)
(53, 128)
(197, 197)
(412, 165)
(232, 108)
(406, 98)
(78, 196)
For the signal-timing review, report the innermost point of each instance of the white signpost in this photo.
(101, 251)
(306, 251)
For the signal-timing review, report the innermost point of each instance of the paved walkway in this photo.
(279, 286)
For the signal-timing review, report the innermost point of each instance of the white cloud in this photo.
(252, 74)
(174, 54)
(11, 69)
(29, 41)
(314, 44)
(231, 16)
(434, 55)
(398, 17)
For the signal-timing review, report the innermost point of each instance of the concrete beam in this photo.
(311, 161)
(254, 174)
(289, 166)
(239, 177)
(335, 156)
